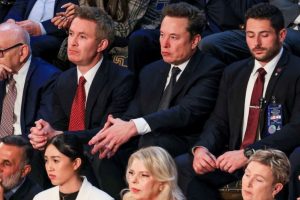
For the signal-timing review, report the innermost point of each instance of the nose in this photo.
(73, 41)
(258, 41)
(164, 42)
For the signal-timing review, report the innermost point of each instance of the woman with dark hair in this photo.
(63, 160)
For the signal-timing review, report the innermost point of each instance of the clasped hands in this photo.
(64, 19)
(230, 161)
(107, 141)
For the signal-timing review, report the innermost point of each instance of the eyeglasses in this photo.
(9, 48)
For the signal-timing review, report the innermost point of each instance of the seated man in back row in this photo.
(258, 107)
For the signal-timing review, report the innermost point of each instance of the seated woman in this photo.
(63, 160)
(266, 174)
(151, 175)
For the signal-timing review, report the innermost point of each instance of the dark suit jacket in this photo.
(223, 131)
(27, 191)
(192, 101)
(37, 94)
(21, 10)
(110, 93)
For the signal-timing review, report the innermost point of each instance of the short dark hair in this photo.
(105, 29)
(196, 18)
(266, 11)
(69, 145)
(21, 142)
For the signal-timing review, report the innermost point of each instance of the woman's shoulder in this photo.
(93, 192)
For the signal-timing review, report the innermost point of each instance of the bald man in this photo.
(26, 83)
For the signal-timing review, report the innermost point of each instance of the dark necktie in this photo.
(77, 117)
(253, 117)
(7, 117)
(166, 98)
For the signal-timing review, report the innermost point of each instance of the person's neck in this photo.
(71, 186)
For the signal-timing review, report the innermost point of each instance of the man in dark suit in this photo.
(34, 80)
(107, 87)
(168, 109)
(15, 164)
(35, 16)
(244, 121)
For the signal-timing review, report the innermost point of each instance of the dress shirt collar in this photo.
(181, 66)
(269, 67)
(20, 76)
(89, 75)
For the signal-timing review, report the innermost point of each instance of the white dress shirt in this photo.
(140, 123)
(89, 77)
(41, 11)
(20, 79)
(269, 67)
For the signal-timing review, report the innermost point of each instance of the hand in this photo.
(64, 19)
(41, 133)
(11, 21)
(4, 72)
(231, 161)
(108, 140)
(204, 161)
(31, 27)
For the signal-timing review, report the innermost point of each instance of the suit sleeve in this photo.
(17, 11)
(215, 133)
(197, 103)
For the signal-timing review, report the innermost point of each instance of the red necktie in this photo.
(77, 119)
(7, 117)
(253, 117)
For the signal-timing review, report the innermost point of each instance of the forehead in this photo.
(138, 165)
(83, 26)
(10, 152)
(174, 24)
(258, 25)
(260, 169)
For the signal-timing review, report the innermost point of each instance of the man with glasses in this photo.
(26, 83)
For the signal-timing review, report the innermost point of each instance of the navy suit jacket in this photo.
(223, 131)
(37, 94)
(192, 101)
(27, 191)
(111, 90)
(21, 10)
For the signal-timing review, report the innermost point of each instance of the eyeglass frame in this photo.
(9, 48)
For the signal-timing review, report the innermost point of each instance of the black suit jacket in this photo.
(27, 191)
(223, 131)
(110, 92)
(37, 93)
(192, 101)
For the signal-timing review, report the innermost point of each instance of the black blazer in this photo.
(223, 131)
(110, 93)
(193, 99)
(37, 93)
(27, 191)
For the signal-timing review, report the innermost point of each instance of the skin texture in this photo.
(61, 170)
(258, 182)
(12, 168)
(142, 184)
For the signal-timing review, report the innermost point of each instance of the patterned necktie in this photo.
(77, 117)
(166, 98)
(253, 117)
(7, 117)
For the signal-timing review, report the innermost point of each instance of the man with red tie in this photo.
(85, 95)
(258, 107)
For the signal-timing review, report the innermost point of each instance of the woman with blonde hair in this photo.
(152, 175)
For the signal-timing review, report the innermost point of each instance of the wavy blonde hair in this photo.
(162, 167)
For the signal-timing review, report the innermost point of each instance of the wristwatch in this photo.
(248, 152)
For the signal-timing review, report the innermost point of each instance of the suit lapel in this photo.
(276, 74)
(159, 82)
(29, 8)
(97, 85)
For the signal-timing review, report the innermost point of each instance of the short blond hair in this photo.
(277, 161)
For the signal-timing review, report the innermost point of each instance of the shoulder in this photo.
(115, 69)
(91, 192)
(43, 66)
(47, 194)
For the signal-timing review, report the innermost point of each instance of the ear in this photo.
(76, 164)
(26, 170)
(282, 34)
(195, 41)
(24, 52)
(103, 44)
(277, 188)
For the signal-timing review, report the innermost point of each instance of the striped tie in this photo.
(7, 117)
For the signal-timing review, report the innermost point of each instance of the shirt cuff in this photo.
(196, 147)
(142, 126)
(43, 31)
